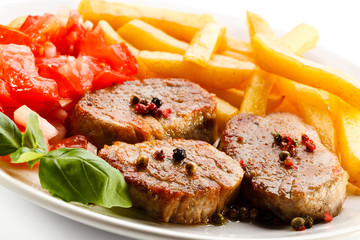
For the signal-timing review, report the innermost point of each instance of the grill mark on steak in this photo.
(317, 184)
(106, 115)
(165, 190)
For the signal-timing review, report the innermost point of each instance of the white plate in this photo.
(134, 223)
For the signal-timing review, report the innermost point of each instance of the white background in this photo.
(338, 24)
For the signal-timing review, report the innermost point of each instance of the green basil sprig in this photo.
(72, 174)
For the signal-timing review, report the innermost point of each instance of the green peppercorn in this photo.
(296, 142)
(134, 99)
(298, 223)
(309, 221)
(277, 137)
(243, 212)
(253, 213)
(142, 161)
(190, 168)
(218, 218)
(283, 155)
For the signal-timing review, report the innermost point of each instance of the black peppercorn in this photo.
(179, 154)
(157, 102)
(283, 155)
(277, 137)
(253, 213)
(243, 212)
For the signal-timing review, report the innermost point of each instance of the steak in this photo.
(166, 189)
(106, 115)
(315, 184)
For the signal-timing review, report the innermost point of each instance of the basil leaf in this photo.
(74, 174)
(10, 136)
(25, 154)
(33, 136)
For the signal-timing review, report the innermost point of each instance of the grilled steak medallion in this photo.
(172, 188)
(315, 184)
(107, 115)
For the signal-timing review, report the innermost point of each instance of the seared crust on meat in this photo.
(165, 190)
(106, 115)
(316, 184)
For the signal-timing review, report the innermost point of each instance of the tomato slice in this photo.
(77, 141)
(9, 35)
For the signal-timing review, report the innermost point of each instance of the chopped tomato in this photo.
(118, 55)
(77, 141)
(5, 95)
(9, 35)
(19, 71)
(71, 36)
(107, 78)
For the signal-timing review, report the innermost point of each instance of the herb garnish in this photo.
(72, 174)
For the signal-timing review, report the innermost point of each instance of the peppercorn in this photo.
(296, 142)
(288, 162)
(310, 145)
(190, 168)
(159, 155)
(152, 107)
(179, 154)
(141, 108)
(277, 137)
(298, 223)
(233, 212)
(134, 99)
(144, 101)
(142, 161)
(157, 102)
(243, 212)
(283, 155)
(309, 221)
(304, 138)
(253, 213)
(218, 218)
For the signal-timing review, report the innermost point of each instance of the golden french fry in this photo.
(146, 37)
(271, 57)
(111, 37)
(17, 22)
(237, 55)
(235, 97)
(286, 106)
(224, 111)
(236, 45)
(258, 25)
(180, 25)
(352, 189)
(347, 124)
(256, 93)
(221, 72)
(301, 39)
(205, 43)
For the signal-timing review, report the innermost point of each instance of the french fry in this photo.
(235, 97)
(352, 189)
(260, 84)
(301, 39)
(256, 93)
(224, 111)
(236, 45)
(182, 26)
(275, 59)
(111, 37)
(237, 55)
(143, 36)
(221, 72)
(347, 124)
(205, 43)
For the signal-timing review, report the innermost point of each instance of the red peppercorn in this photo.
(140, 108)
(152, 107)
(328, 217)
(159, 155)
(242, 164)
(163, 112)
(310, 145)
(304, 138)
(301, 228)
